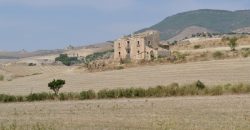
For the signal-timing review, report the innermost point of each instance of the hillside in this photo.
(187, 32)
(214, 20)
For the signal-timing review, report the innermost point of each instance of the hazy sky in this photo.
(49, 24)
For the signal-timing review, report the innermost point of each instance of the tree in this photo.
(232, 43)
(55, 85)
(200, 85)
(66, 60)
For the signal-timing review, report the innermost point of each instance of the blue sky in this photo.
(50, 24)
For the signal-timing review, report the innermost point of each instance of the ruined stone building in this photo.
(142, 46)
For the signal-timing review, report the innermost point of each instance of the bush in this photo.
(179, 56)
(1, 77)
(218, 90)
(102, 94)
(40, 96)
(240, 88)
(7, 98)
(31, 64)
(119, 67)
(20, 99)
(197, 46)
(233, 43)
(125, 61)
(245, 52)
(90, 94)
(139, 92)
(189, 90)
(69, 96)
(218, 55)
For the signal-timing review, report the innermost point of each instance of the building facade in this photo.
(142, 46)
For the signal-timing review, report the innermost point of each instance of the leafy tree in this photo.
(200, 85)
(232, 43)
(55, 85)
(66, 60)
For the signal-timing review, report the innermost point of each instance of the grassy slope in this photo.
(215, 20)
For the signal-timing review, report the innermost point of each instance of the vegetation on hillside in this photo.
(215, 20)
(98, 55)
(66, 60)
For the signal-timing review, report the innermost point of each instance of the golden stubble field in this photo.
(174, 113)
(209, 72)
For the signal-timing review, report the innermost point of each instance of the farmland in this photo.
(210, 72)
(189, 113)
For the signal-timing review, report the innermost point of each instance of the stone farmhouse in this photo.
(142, 46)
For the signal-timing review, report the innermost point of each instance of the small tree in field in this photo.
(232, 43)
(55, 85)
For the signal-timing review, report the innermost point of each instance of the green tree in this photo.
(55, 85)
(233, 43)
(200, 85)
(66, 60)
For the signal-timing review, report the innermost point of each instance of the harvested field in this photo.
(175, 113)
(209, 72)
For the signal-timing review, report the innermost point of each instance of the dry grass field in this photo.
(175, 113)
(209, 72)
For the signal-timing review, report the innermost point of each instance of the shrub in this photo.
(31, 64)
(218, 55)
(90, 94)
(232, 43)
(102, 94)
(128, 93)
(39, 96)
(240, 88)
(179, 56)
(190, 89)
(214, 91)
(125, 61)
(245, 52)
(7, 98)
(197, 46)
(1, 77)
(69, 96)
(20, 98)
(119, 67)
(139, 92)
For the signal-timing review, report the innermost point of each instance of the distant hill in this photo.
(80, 49)
(220, 21)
